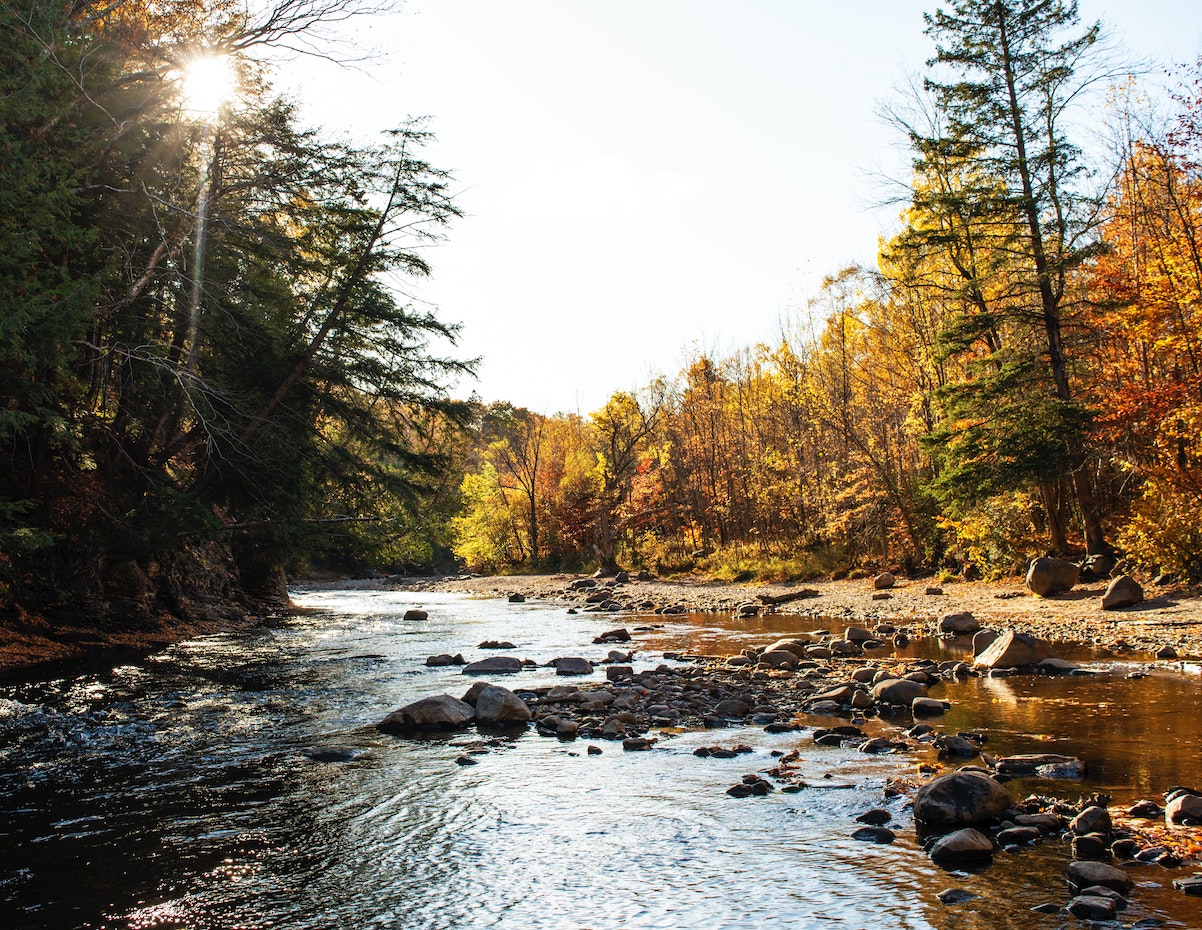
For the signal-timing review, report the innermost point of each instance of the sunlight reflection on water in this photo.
(176, 793)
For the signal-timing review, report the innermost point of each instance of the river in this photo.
(180, 790)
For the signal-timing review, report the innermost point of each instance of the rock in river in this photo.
(1084, 874)
(967, 845)
(898, 691)
(958, 799)
(572, 665)
(960, 622)
(1032, 764)
(506, 665)
(495, 704)
(1013, 649)
(1183, 807)
(1089, 907)
(441, 712)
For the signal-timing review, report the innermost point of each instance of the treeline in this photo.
(206, 368)
(209, 374)
(1021, 373)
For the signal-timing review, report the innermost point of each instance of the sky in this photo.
(644, 180)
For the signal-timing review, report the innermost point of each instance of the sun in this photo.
(207, 84)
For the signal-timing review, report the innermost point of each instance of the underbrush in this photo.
(745, 563)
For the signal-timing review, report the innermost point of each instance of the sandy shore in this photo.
(1170, 616)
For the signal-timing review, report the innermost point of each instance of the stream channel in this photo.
(174, 791)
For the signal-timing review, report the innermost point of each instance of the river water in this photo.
(180, 791)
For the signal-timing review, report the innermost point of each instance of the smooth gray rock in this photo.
(416, 613)
(795, 644)
(874, 835)
(1095, 819)
(983, 640)
(883, 581)
(1088, 907)
(960, 799)
(1029, 763)
(440, 712)
(927, 707)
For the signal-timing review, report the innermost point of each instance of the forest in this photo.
(210, 377)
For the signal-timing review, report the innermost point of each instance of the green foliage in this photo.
(997, 535)
(288, 401)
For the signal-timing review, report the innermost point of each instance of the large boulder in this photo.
(1012, 649)
(898, 691)
(1047, 576)
(416, 613)
(505, 665)
(967, 845)
(884, 581)
(960, 799)
(441, 712)
(1123, 591)
(495, 704)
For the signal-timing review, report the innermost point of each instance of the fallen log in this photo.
(772, 600)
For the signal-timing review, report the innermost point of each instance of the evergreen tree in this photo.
(1016, 220)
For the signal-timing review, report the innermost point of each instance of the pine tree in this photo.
(1004, 76)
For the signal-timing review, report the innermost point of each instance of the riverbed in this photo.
(186, 789)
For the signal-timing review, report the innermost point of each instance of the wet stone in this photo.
(1088, 907)
(955, 896)
(1090, 846)
(874, 835)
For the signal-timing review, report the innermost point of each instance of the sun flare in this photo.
(207, 84)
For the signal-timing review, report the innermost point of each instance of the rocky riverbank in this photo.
(841, 690)
(1169, 618)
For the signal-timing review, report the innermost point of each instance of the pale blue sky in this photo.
(643, 176)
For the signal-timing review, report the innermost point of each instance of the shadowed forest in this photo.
(210, 375)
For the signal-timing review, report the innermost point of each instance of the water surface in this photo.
(176, 792)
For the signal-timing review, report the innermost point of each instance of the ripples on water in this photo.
(175, 793)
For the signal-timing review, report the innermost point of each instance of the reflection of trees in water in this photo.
(1138, 737)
